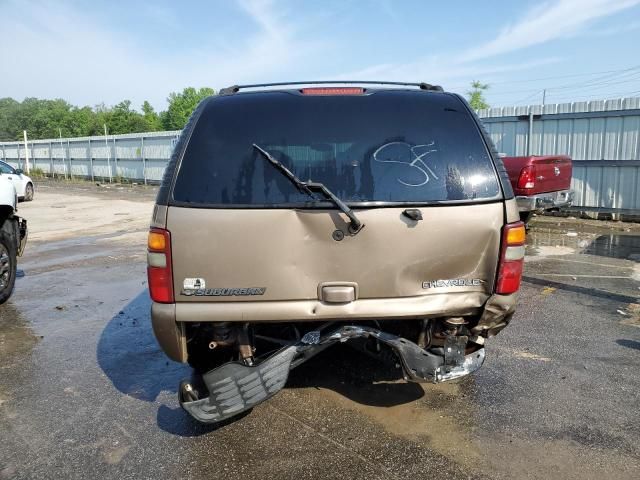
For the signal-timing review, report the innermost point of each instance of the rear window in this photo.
(388, 146)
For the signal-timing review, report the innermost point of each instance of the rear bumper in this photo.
(234, 388)
(449, 302)
(545, 201)
(169, 320)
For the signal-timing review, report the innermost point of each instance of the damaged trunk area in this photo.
(242, 365)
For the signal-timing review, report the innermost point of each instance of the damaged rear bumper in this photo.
(234, 387)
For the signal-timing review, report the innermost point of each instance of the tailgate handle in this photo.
(337, 292)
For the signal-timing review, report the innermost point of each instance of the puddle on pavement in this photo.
(75, 242)
(16, 336)
(440, 419)
(447, 419)
(548, 242)
(442, 416)
(615, 246)
(543, 242)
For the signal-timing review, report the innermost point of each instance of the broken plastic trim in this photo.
(235, 387)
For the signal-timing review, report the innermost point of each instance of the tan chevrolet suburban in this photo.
(295, 216)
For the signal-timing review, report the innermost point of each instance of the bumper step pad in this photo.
(235, 387)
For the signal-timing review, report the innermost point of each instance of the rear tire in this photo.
(28, 192)
(8, 260)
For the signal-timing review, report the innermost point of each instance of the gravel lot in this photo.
(86, 393)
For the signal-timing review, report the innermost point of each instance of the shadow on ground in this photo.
(356, 376)
(130, 357)
(629, 344)
(592, 292)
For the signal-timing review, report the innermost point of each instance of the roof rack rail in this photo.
(236, 88)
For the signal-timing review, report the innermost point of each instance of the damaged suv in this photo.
(296, 217)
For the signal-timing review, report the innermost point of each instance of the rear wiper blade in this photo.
(309, 187)
(299, 184)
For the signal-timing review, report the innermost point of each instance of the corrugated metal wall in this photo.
(136, 156)
(601, 136)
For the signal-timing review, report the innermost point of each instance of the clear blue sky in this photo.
(92, 52)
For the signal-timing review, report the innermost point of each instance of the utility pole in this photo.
(106, 144)
(26, 152)
(64, 156)
(544, 96)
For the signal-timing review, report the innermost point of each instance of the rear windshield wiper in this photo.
(310, 187)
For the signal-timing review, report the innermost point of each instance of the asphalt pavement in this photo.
(85, 391)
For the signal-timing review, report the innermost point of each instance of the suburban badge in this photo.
(223, 292)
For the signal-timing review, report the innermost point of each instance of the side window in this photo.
(4, 168)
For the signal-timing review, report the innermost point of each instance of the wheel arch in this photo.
(33, 190)
(6, 212)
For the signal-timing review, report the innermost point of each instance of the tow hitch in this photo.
(235, 387)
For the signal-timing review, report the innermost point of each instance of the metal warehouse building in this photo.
(602, 137)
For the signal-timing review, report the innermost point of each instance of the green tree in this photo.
(119, 119)
(181, 105)
(43, 118)
(81, 122)
(151, 117)
(8, 112)
(476, 95)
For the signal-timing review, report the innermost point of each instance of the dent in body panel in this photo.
(496, 315)
(290, 252)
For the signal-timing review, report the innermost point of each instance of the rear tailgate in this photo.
(551, 173)
(290, 253)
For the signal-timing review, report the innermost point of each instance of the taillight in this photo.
(332, 91)
(511, 258)
(527, 177)
(159, 271)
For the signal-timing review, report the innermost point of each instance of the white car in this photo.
(13, 236)
(22, 183)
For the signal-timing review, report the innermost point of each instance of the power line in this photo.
(630, 76)
(549, 78)
(573, 99)
(606, 80)
(538, 92)
(609, 96)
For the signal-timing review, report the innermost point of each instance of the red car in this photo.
(540, 182)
